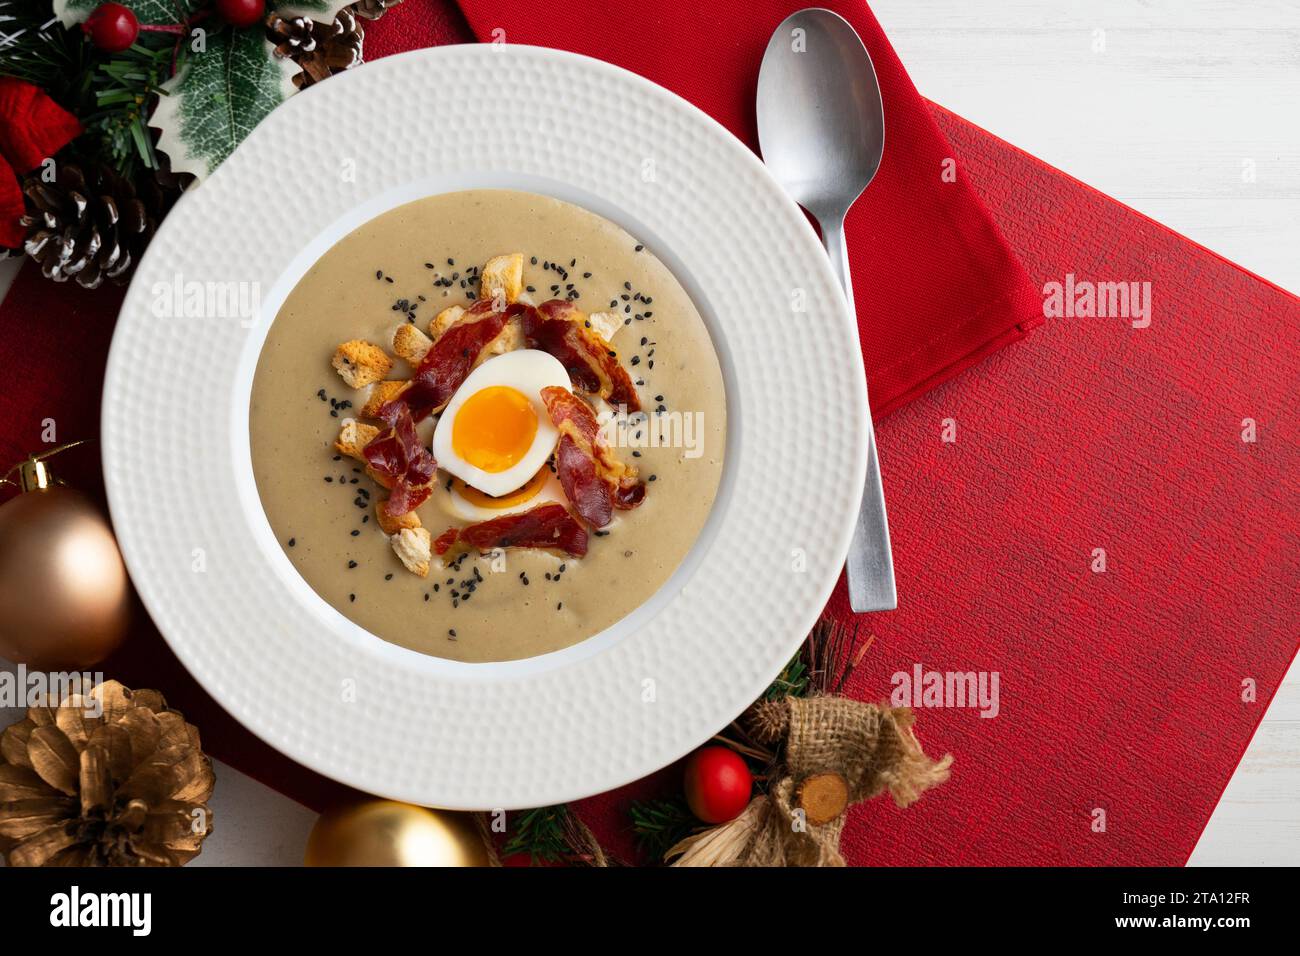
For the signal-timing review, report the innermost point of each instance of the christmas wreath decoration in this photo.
(771, 789)
(109, 110)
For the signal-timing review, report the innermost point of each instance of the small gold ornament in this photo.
(64, 597)
(387, 833)
(111, 777)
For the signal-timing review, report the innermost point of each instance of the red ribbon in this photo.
(32, 128)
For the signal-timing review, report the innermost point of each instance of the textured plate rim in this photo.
(579, 773)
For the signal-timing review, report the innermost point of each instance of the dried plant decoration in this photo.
(110, 778)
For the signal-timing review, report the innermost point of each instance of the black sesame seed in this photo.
(351, 565)
(388, 576)
(292, 542)
(352, 597)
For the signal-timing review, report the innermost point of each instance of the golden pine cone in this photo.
(111, 778)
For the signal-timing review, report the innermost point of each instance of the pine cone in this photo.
(113, 778)
(320, 49)
(90, 223)
(372, 9)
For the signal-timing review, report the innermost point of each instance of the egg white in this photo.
(527, 371)
(457, 506)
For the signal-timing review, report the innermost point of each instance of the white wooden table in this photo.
(1185, 110)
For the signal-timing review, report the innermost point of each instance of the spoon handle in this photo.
(870, 562)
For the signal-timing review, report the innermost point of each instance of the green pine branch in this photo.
(540, 833)
(658, 825)
(793, 681)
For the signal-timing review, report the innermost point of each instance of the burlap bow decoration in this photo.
(835, 752)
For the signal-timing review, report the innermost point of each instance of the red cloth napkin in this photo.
(937, 287)
(1119, 691)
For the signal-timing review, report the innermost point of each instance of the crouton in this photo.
(353, 437)
(445, 320)
(361, 363)
(511, 337)
(383, 481)
(381, 393)
(391, 525)
(410, 343)
(604, 324)
(503, 275)
(414, 547)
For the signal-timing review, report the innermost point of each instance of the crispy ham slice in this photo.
(446, 365)
(561, 328)
(593, 479)
(546, 526)
(398, 460)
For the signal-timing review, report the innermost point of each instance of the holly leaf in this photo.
(156, 12)
(220, 94)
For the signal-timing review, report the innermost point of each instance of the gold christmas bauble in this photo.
(64, 599)
(387, 833)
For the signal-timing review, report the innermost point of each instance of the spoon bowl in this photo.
(821, 122)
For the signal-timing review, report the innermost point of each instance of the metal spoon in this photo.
(821, 126)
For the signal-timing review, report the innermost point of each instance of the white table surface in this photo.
(1163, 104)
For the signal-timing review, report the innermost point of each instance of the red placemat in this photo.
(1119, 691)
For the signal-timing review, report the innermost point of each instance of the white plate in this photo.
(565, 725)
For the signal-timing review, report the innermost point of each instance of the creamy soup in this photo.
(405, 267)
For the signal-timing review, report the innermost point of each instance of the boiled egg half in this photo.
(495, 435)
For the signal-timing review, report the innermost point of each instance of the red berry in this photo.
(111, 27)
(718, 784)
(241, 13)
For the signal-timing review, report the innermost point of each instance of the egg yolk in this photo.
(494, 428)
